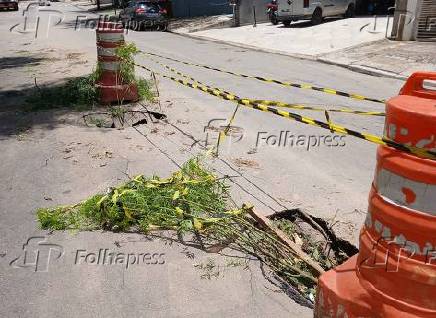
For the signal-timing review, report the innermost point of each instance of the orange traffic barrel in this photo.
(111, 86)
(410, 117)
(394, 273)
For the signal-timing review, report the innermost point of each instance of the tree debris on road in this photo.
(194, 201)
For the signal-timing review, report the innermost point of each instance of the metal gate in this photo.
(427, 21)
(195, 8)
(248, 9)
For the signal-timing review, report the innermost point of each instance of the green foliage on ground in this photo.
(192, 200)
(78, 93)
(145, 90)
(81, 93)
(127, 53)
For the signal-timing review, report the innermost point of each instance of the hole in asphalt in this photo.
(317, 229)
(121, 118)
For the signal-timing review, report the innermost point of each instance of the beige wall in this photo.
(406, 20)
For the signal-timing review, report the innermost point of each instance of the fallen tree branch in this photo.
(265, 223)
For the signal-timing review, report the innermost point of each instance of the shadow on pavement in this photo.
(17, 115)
(19, 61)
(308, 24)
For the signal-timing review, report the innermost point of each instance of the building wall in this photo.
(194, 8)
(406, 18)
(246, 12)
(425, 24)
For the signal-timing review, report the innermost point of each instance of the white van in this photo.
(314, 10)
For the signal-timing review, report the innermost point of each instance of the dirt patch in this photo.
(241, 162)
(73, 56)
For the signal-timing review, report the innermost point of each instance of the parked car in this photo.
(9, 4)
(314, 10)
(139, 15)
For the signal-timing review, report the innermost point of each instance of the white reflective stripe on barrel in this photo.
(105, 51)
(110, 66)
(110, 37)
(400, 239)
(406, 193)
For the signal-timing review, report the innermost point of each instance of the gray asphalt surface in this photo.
(327, 181)
(57, 160)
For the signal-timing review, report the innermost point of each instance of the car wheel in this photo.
(316, 17)
(350, 11)
(286, 23)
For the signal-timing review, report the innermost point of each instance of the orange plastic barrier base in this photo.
(342, 295)
(394, 274)
(117, 94)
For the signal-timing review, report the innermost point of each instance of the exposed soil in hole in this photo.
(120, 118)
(315, 237)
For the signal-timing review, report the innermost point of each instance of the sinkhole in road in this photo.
(317, 229)
(118, 117)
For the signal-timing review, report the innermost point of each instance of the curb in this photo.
(355, 68)
(364, 69)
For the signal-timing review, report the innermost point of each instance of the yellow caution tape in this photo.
(276, 103)
(420, 152)
(269, 80)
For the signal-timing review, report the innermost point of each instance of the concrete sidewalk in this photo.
(358, 43)
(301, 38)
(384, 57)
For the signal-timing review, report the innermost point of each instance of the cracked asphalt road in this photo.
(51, 158)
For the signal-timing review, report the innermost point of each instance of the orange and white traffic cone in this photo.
(394, 273)
(111, 86)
